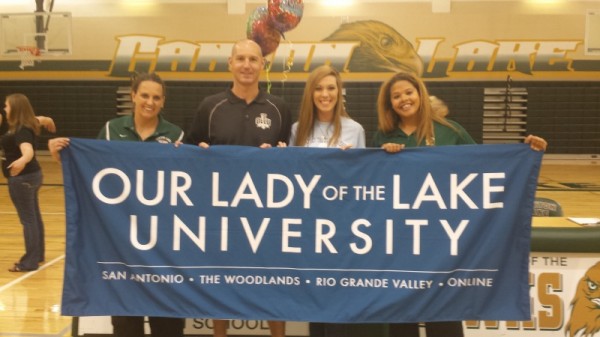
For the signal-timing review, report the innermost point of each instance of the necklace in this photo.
(324, 137)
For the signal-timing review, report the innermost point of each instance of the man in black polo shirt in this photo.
(242, 115)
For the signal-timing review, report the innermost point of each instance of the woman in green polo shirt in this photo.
(407, 118)
(145, 125)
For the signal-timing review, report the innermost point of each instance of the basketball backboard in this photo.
(50, 33)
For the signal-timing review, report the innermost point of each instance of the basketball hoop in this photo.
(27, 55)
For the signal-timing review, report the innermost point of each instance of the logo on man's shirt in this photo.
(163, 140)
(263, 122)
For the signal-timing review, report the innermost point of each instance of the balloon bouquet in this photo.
(267, 24)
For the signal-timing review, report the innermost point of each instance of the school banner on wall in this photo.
(298, 234)
(356, 49)
(564, 293)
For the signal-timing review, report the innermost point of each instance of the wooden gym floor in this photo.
(30, 302)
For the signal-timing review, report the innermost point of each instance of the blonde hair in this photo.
(21, 114)
(307, 113)
(439, 107)
(388, 119)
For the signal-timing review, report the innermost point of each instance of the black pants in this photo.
(329, 329)
(133, 326)
(433, 329)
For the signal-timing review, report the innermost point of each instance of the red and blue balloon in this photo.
(285, 15)
(267, 24)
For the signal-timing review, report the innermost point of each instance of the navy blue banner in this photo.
(298, 234)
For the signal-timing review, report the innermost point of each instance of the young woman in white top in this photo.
(323, 120)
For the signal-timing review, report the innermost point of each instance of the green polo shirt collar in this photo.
(162, 129)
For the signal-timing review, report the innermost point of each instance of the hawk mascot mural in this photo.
(585, 306)
(381, 49)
